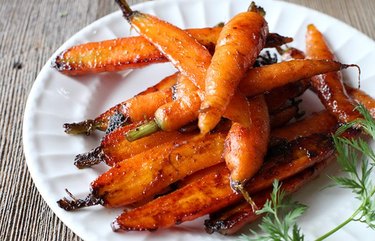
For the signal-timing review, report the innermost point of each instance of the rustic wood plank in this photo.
(30, 31)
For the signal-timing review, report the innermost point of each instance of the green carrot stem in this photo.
(142, 131)
(340, 225)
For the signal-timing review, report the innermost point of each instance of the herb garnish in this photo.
(357, 160)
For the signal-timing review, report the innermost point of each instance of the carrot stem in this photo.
(84, 127)
(254, 8)
(125, 8)
(142, 131)
(90, 158)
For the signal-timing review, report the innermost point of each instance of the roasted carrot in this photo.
(329, 87)
(361, 97)
(175, 114)
(122, 53)
(131, 110)
(277, 99)
(305, 127)
(232, 218)
(115, 148)
(283, 116)
(185, 52)
(237, 48)
(132, 52)
(247, 142)
(149, 172)
(262, 79)
(274, 99)
(212, 192)
(94, 199)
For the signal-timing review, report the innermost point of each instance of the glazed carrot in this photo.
(212, 192)
(132, 52)
(274, 99)
(262, 79)
(247, 142)
(120, 54)
(175, 114)
(131, 110)
(185, 109)
(283, 116)
(151, 171)
(185, 52)
(329, 87)
(94, 199)
(277, 98)
(231, 219)
(114, 147)
(307, 126)
(237, 48)
(361, 97)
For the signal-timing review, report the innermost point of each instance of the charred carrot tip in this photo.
(84, 127)
(90, 158)
(254, 8)
(73, 203)
(59, 63)
(115, 226)
(125, 8)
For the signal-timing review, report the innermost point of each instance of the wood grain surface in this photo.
(30, 32)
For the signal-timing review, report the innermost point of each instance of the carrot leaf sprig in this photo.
(357, 160)
(280, 222)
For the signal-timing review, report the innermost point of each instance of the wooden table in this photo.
(30, 31)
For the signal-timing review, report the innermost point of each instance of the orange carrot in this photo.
(120, 54)
(230, 220)
(186, 53)
(307, 126)
(247, 142)
(212, 192)
(175, 114)
(131, 52)
(131, 110)
(283, 116)
(237, 48)
(361, 97)
(329, 87)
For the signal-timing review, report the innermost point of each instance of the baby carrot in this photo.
(237, 48)
(130, 109)
(123, 53)
(247, 141)
(185, 52)
(329, 87)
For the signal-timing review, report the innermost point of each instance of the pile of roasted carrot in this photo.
(214, 136)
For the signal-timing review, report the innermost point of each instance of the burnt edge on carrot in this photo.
(73, 203)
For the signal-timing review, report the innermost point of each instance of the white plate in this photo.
(56, 99)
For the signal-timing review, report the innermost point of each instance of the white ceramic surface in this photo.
(56, 99)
